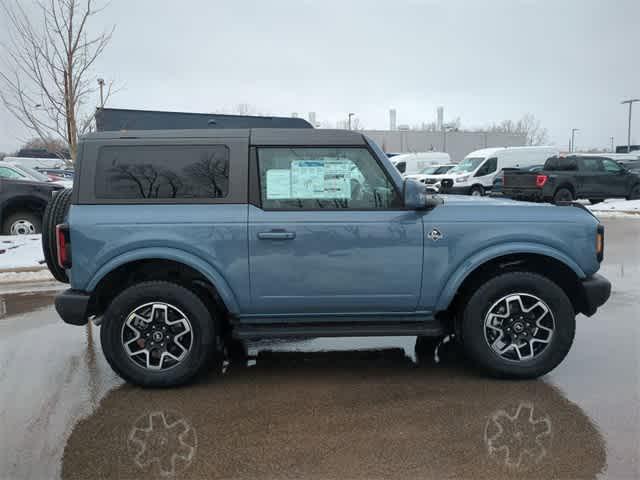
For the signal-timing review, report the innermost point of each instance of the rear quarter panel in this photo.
(210, 238)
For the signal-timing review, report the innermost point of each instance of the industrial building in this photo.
(456, 144)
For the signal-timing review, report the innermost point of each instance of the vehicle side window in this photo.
(611, 166)
(401, 166)
(489, 166)
(6, 172)
(300, 178)
(162, 172)
(591, 164)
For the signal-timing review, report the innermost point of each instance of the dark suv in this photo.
(22, 201)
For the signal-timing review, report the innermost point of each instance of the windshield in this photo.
(30, 172)
(467, 165)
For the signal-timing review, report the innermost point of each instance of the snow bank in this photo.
(617, 205)
(21, 252)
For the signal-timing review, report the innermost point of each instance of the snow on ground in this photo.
(21, 251)
(617, 205)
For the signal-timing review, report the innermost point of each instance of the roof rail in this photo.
(116, 119)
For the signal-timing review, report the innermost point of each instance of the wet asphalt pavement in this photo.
(326, 408)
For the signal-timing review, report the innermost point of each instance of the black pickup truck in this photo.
(564, 179)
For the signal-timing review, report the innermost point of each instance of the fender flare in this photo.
(470, 264)
(176, 255)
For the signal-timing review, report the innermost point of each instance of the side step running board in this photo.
(432, 328)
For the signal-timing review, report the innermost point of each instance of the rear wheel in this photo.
(55, 213)
(158, 334)
(635, 193)
(22, 223)
(563, 195)
(518, 325)
(477, 191)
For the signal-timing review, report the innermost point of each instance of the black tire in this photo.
(55, 213)
(477, 190)
(634, 194)
(27, 221)
(203, 341)
(594, 201)
(563, 195)
(476, 345)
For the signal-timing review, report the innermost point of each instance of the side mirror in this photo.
(416, 196)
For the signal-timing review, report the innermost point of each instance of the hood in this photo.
(498, 209)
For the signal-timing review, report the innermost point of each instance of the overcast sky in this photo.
(568, 62)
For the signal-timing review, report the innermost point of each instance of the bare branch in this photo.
(45, 79)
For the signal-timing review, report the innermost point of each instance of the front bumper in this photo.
(455, 190)
(73, 306)
(597, 290)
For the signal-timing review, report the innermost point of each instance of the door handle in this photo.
(276, 235)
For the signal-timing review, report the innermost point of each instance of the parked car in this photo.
(431, 176)
(180, 242)
(22, 201)
(475, 174)
(34, 162)
(62, 173)
(564, 179)
(496, 190)
(17, 171)
(412, 163)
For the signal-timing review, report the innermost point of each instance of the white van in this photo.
(412, 163)
(475, 174)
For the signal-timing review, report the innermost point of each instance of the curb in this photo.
(23, 269)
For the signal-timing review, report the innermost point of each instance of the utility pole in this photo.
(350, 115)
(101, 85)
(612, 148)
(630, 102)
(573, 139)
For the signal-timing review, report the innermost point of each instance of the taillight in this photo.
(63, 241)
(541, 180)
(600, 243)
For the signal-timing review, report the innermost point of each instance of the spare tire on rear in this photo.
(55, 213)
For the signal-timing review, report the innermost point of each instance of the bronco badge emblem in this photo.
(435, 235)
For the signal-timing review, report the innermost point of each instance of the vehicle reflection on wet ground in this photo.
(326, 408)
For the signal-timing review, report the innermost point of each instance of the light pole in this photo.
(573, 139)
(446, 128)
(612, 148)
(350, 115)
(101, 85)
(630, 102)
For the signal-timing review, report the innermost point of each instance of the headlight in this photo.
(462, 179)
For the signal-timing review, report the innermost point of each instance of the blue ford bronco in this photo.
(178, 242)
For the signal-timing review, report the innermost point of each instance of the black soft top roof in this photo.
(116, 119)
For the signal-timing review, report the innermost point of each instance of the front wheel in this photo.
(477, 191)
(518, 325)
(22, 223)
(157, 334)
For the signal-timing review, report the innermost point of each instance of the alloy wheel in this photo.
(157, 336)
(519, 327)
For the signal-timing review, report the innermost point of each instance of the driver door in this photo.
(487, 172)
(329, 234)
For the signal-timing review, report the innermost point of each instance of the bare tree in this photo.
(46, 80)
(528, 126)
